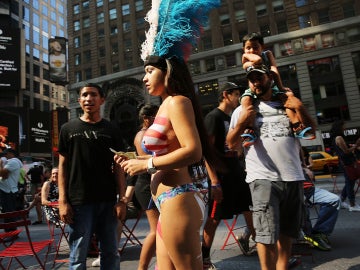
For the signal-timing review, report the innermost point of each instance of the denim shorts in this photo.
(277, 209)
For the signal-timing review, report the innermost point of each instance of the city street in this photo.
(345, 242)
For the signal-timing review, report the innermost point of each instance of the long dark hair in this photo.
(146, 111)
(179, 82)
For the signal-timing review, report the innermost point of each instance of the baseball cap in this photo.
(261, 69)
(228, 86)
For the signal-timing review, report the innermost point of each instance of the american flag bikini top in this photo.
(155, 139)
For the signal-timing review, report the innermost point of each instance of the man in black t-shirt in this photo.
(230, 194)
(89, 181)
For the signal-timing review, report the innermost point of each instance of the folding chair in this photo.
(7, 238)
(128, 232)
(21, 249)
(302, 247)
(231, 228)
(334, 178)
(57, 230)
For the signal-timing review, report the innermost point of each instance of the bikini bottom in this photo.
(171, 193)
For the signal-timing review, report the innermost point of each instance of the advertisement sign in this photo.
(9, 57)
(9, 130)
(57, 60)
(40, 132)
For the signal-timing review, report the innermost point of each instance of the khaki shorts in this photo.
(277, 209)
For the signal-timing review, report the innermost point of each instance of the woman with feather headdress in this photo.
(177, 138)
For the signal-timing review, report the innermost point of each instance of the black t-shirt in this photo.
(90, 177)
(217, 124)
(35, 175)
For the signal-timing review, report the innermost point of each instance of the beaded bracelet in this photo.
(216, 186)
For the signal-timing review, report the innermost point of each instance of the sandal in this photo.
(304, 134)
(249, 137)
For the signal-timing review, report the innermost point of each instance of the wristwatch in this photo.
(150, 166)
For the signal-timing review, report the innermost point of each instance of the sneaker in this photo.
(318, 242)
(243, 244)
(96, 263)
(356, 207)
(208, 265)
(326, 239)
(344, 205)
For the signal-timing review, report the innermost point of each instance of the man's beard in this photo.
(265, 89)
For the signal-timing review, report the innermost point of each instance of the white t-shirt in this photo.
(275, 155)
(10, 184)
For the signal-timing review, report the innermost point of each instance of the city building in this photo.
(316, 44)
(30, 101)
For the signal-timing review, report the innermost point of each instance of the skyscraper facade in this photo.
(28, 100)
(38, 22)
(316, 45)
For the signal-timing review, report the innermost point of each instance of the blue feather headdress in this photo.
(175, 26)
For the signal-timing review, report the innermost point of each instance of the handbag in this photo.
(353, 171)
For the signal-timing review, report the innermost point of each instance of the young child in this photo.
(254, 55)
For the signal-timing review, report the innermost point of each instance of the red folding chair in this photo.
(7, 238)
(334, 177)
(128, 232)
(58, 232)
(19, 249)
(231, 228)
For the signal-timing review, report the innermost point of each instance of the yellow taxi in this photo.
(324, 161)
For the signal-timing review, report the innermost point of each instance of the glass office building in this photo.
(30, 98)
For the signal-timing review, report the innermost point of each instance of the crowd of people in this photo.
(250, 145)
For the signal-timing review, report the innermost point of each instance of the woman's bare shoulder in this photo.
(178, 100)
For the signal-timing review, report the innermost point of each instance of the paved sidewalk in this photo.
(345, 241)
